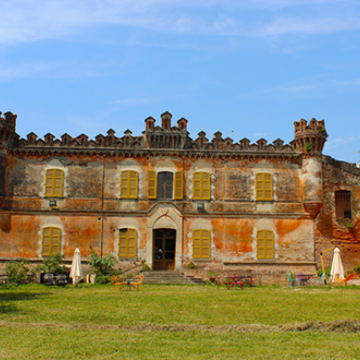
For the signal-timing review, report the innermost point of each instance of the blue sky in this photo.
(252, 66)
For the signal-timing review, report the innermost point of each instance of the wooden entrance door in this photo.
(164, 249)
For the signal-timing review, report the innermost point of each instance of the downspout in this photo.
(102, 207)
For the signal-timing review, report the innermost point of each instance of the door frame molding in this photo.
(165, 215)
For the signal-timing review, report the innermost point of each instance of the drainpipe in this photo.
(102, 207)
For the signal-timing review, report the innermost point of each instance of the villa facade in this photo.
(170, 200)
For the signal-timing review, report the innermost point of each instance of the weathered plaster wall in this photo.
(24, 239)
(331, 231)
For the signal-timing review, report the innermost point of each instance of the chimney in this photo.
(166, 120)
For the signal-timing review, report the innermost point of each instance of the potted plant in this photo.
(212, 277)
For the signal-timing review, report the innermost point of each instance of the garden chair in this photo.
(251, 281)
(61, 280)
(237, 281)
(320, 281)
(138, 282)
(118, 282)
(291, 280)
(49, 279)
(226, 282)
(344, 281)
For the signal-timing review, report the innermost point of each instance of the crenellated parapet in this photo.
(164, 137)
(309, 137)
(8, 135)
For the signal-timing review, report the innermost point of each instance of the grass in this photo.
(172, 322)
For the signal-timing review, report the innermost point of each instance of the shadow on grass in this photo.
(8, 309)
(20, 295)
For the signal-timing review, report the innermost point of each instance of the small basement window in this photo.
(343, 204)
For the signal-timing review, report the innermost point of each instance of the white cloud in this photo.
(30, 20)
(287, 25)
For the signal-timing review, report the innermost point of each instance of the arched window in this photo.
(127, 242)
(264, 187)
(54, 183)
(129, 184)
(265, 244)
(343, 204)
(51, 237)
(201, 185)
(201, 244)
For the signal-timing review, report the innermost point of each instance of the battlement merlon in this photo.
(310, 136)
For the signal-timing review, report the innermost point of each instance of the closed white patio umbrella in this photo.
(337, 269)
(76, 272)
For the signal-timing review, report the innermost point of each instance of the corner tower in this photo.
(309, 140)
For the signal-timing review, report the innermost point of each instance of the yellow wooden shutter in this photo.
(46, 242)
(260, 244)
(131, 243)
(268, 187)
(123, 243)
(51, 237)
(133, 184)
(265, 244)
(179, 185)
(196, 244)
(201, 244)
(127, 242)
(197, 186)
(55, 243)
(54, 179)
(205, 244)
(129, 184)
(124, 184)
(49, 179)
(152, 185)
(269, 244)
(205, 186)
(264, 187)
(259, 187)
(201, 186)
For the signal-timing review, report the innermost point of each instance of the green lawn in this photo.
(173, 322)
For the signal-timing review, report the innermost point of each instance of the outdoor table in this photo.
(235, 279)
(307, 278)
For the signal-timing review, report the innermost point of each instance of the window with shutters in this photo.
(264, 187)
(265, 244)
(127, 243)
(201, 186)
(129, 184)
(51, 237)
(54, 182)
(343, 204)
(166, 185)
(201, 244)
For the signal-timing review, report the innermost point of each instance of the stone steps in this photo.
(170, 277)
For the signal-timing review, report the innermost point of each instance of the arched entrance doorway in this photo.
(164, 249)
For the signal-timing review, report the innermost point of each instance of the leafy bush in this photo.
(103, 267)
(102, 279)
(191, 266)
(52, 265)
(327, 271)
(357, 269)
(145, 268)
(17, 272)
